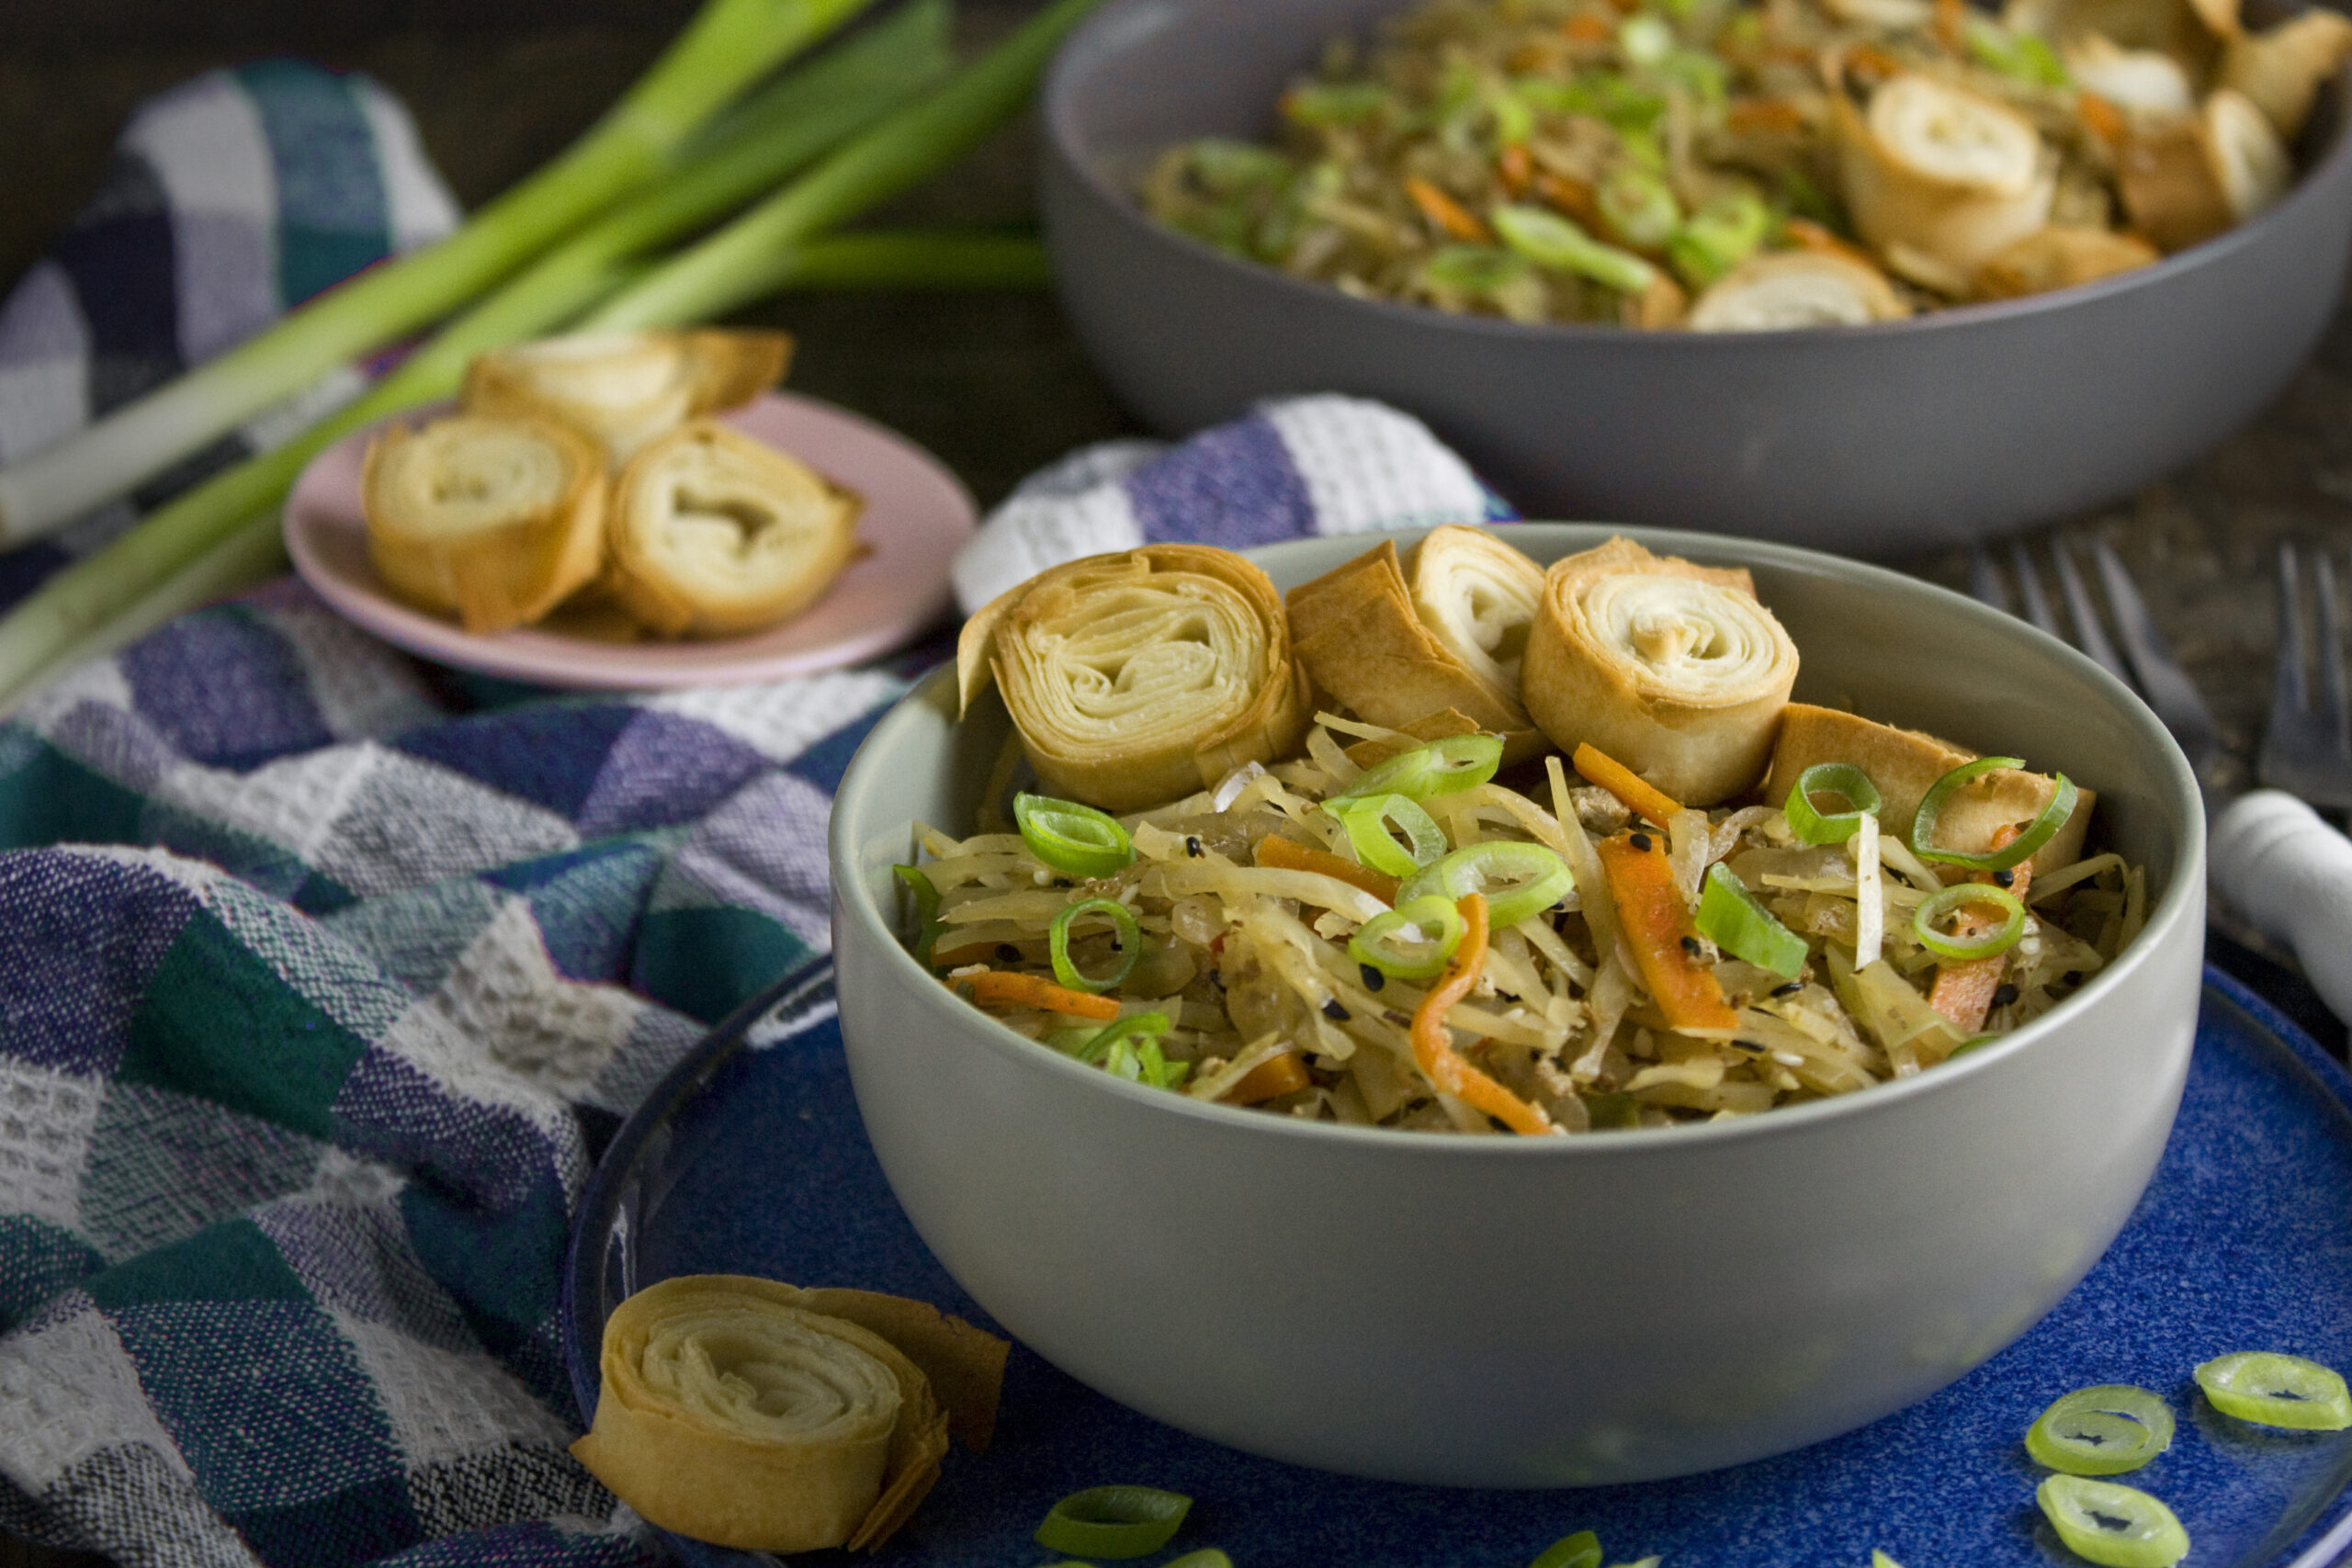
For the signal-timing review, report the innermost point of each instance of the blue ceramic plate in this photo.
(751, 1160)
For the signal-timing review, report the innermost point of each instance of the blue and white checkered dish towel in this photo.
(1294, 469)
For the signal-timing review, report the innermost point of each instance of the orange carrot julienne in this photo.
(1445, 213)
(1586, 28)
(1435, 1052)
(1656, 924)
(1641, 797)
(1764, 114)
(999, 985)
(1270, 1079)
(1964, 987)
(1573, 198)
(1951, 17)
(1278, 853)
(1514, 168)
(2103, 119)
(1812, 236)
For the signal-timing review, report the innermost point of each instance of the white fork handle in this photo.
(2290, 874)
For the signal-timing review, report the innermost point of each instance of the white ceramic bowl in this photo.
(1506, 1312)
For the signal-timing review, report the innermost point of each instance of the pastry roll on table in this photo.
(1440, 627)
(713, 534)
(1671, 668)
(1138, 676)
(495, 521)
(622, 389)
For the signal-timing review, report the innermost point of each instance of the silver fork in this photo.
(2306, 749)
(2151, 669)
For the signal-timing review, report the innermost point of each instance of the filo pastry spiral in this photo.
(749, 1413)
(1671, 668)
(622, 390)
(1934, 169)
(1138, 676)
(1440, 627)
(495, 521)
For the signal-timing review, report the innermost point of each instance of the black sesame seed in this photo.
(2003, 996)
(1372, 978)
(1642, 843)
(1334, 1012)
(1062, 881)
(1006, 952)
(1791, 989)
(2006, 877)
(1393, 1016)
(1193, 845)
(1749, 1044)
(1691, 945)
(1507, 995)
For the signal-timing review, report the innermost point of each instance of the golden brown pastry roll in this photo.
(2187, 179)
(1441, 626)
(495, 521)
(1904, 764)
(2060, 257)
(1780, 289)
(2279, 68)
(1137, 676)
(623, 388)
(1941, 171)
(713, 534)
(1671, 668)
(733, 1414)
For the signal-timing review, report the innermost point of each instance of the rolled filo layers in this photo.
(1903, 764)
(2060, 257)
(1138, 676)
(2279, 68)
(715, 533)
(1671, 668)
(2187, 179)
(732, 1414)
(1783, 289)
(1441, 626)
(624, 388)
(494, 520)
(1942, 171)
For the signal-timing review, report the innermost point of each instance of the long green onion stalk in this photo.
(728, 44)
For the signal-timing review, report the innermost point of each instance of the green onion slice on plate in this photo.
(2277, 1391)
(1517, 879)
(1442, 767)
(1113, 1521)
(1128, 939)
(1368, 820)
(925, 894)
(1412, 941)
(1581, 1550)
(1935, 907)
(2038, 833)
(1072, 838)
(2102, 1430)
(1814, 826)
(1733, 919)
(2116, 1527)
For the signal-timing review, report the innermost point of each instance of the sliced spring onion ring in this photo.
(2116, 1527)
(1113, 1521)
(1412, 941)
(1814, 826)
(1517, 879)
(2103, 1430)
(2038, 833)
(1129, 939)
(1581, 1550)
(2277, 1391)
(1129, 1048)
(1442, 767)
(1072, 838)
(1732, 918)
(921, 889)
(1937, 906)
(1368, 820)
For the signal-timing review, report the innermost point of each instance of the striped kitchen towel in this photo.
(229, 198)
(1293, 469)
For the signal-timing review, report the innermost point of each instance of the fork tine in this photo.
(2089, 634)
(2288, 697)
(2305, 750)
(2037, 604)
(2168, 690)
(1985, 579)
(2331, 649)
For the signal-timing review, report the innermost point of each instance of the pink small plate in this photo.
(916, 514)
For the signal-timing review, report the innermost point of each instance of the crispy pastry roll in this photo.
(715, 533)
(1671, 668)
(492, 520)
(1441, 626)
(1939, 170)
(624, 388)
(2188, 178)
(1138, 676)
(735, 1412)
(1780, 289)
(1903, 764)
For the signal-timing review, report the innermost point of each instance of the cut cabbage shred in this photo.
(1252, 964)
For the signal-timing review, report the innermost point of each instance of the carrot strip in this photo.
(1270, 1079)
(1444, 213)
(1963, 988)
(1776, 115)
(1586, 28)
(1640, 797)
(2102, 118)
(1951, 17)
(1656, 924)
(1874, 61)
(1278, 853)
(1034, 991)
(1514, 168)
(1571, 198)
(1435, 1052)
(1811, 236)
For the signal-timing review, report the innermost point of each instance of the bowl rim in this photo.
(1066, 149)
(2182, 901)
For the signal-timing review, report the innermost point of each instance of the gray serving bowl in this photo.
(1871, 440)
(1554, 1312)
